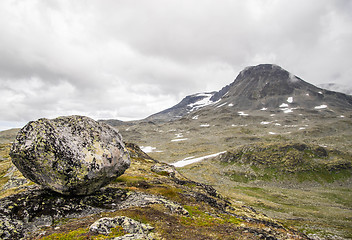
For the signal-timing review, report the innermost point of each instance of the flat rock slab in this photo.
(72, 155)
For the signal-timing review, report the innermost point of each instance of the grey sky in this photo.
(129, 59)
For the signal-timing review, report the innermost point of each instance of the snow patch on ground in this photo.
(178, 135)
(204, 125)
(287, 110)
(191, 160)
(235, 125)
(283, 105)
(301, 128)
(272, 133)
(242, 114)
(277, 124)
(321, 107)
(264, 109)
(148, 149)
(290, 100)
(342, 116)
(230, 105)
(221, 105)
(265, 123)
(195, 117)
(179, 139)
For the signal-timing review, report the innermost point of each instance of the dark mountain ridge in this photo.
(262, 87)
(187, 105)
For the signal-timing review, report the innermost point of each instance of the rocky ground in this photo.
(152, 197)
(314, 202)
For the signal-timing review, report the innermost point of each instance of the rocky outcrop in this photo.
(176, 207)
(70, 155)
(164, 169)
(30, 210)
(135, 229)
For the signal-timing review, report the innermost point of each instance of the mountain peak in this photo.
(265, 86)
(266, 80)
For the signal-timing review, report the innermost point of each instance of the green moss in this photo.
(200, 218)
(79, 234)
(83, 234)
(168, 192)
(242, 177)
(129, 179)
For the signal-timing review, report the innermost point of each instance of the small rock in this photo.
(10, 228)
(136, 230)
(72, 155)
(164, 169)
(14, 182)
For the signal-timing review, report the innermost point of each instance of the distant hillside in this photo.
(187, 105)
(264, 87)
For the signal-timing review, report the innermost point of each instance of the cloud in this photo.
(130, 59)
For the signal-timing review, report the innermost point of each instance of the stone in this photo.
(164, 169)
(135, 229)
(72, 155)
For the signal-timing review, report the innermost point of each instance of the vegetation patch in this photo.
(201, 218)
(275, 161)
(84, 234)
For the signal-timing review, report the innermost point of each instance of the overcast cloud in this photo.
(129, 59)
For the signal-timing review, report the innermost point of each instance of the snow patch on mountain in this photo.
(178, 135)
(321, 106)
(179, 139)
(242, 114)
(221, 105)
(202, 102)
(287, 110)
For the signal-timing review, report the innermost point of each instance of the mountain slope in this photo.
(263, 87)
(270, 86)
(336, 88)
(187, 105)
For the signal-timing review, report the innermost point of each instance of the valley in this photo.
(318, 202)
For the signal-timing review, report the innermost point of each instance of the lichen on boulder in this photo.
(72, 155)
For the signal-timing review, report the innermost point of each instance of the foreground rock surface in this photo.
(176, 207)
(135, 229)
(72, 155)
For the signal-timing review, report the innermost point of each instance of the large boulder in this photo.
(71, 155)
